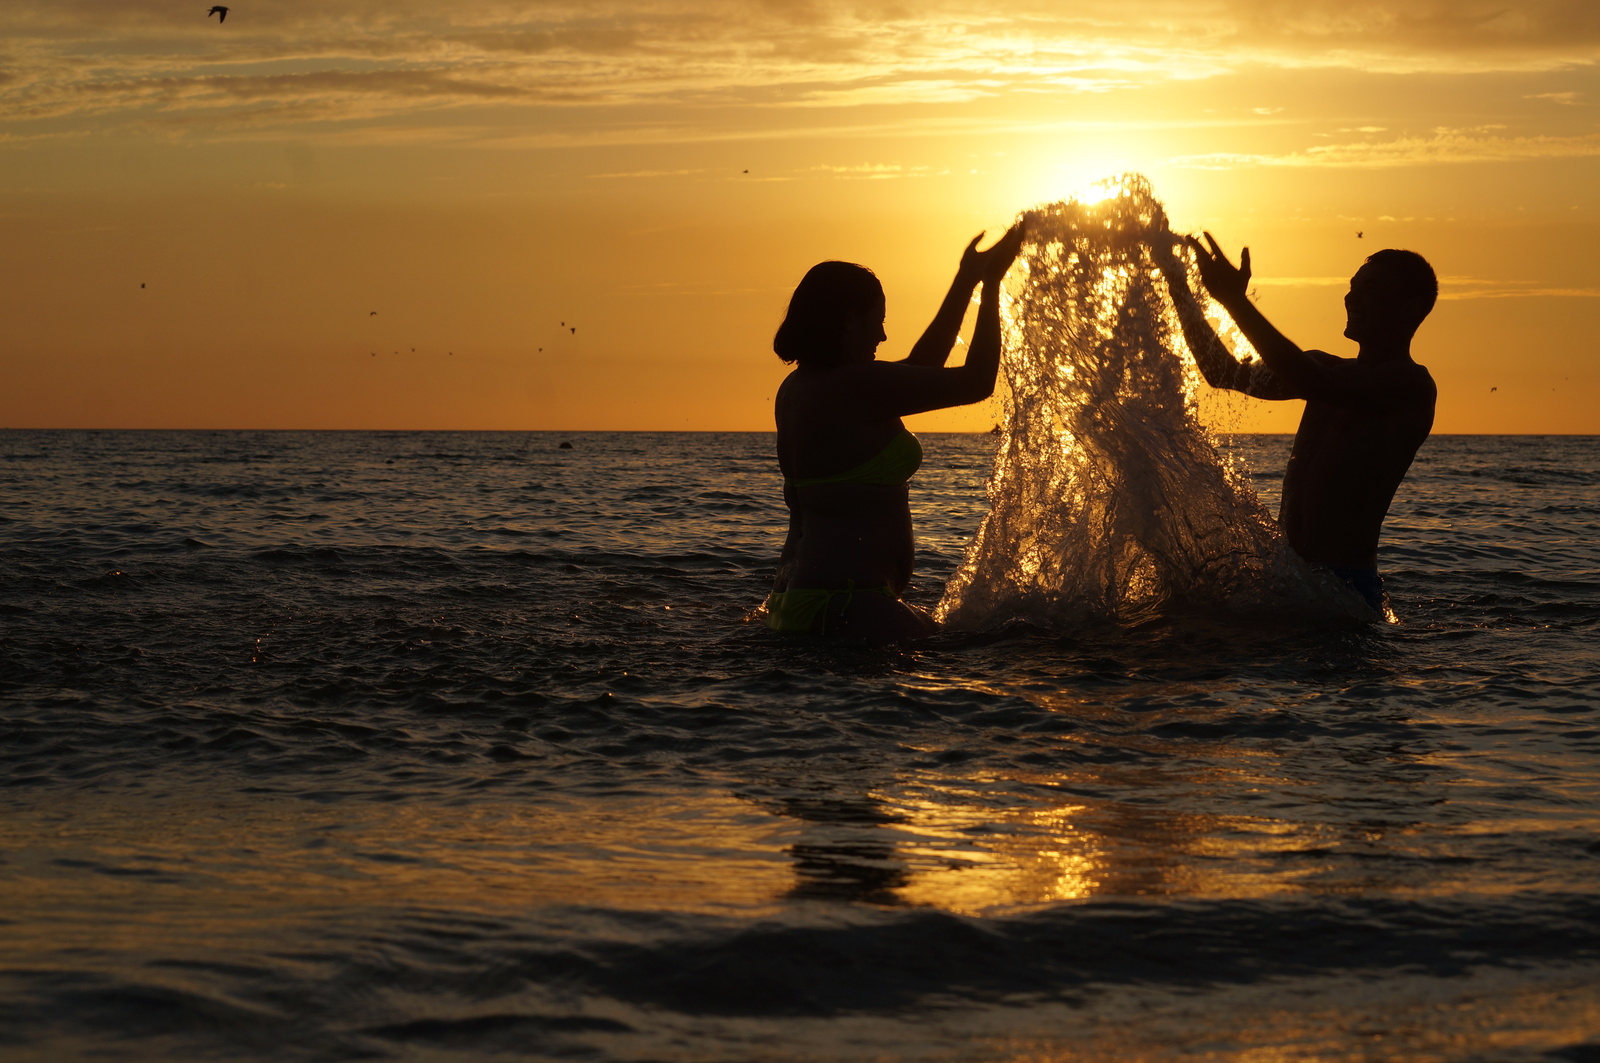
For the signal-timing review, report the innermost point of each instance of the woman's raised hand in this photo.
(971, 268)
(993, 263)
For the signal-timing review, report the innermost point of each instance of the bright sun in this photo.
(1094, 191)
(1084, 176)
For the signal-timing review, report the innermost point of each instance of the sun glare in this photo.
(1087, 176)
(1094, 191)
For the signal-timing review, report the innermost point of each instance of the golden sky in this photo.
(487, 176)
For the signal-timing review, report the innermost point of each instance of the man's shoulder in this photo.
(1398, 379)
(1412, 380)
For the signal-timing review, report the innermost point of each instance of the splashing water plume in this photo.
(1109, 498)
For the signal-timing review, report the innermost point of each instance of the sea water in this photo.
(467, 746)
(459, 746)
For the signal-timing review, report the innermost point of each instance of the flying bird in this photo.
(574, 330)
(372, 313)
(1359, 234)
(1494, 389)
(141, 284)
(221, 13)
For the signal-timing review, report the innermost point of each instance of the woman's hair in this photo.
(813, 329)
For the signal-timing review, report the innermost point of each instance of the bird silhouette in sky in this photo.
(372, 313)
(221, 13)
(141, 284)
(1494, 389)
(574, 330)
(1359, 234)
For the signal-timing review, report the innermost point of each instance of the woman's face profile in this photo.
(863, 331)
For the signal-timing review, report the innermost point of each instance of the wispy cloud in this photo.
(1479, 288)
(1451, 288)
(1300, 282)
(877, 171)
(85, 63)
(1566, 99)
(649, 173)
(1484, 144)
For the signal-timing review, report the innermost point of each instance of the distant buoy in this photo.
(565, 446)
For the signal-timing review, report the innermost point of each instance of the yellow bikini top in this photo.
(892, 465)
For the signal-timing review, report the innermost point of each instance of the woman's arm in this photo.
(898, 389)
(791, 543)
(939, 338)
(983, 356)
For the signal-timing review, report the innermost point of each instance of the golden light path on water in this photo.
(200, 874)
(208, 866)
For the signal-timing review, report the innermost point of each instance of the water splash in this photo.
(1109, 498)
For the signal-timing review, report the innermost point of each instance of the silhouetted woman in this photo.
(845, 455)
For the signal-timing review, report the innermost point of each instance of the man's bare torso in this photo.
(1346, 465)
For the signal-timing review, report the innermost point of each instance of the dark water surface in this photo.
(450, 746)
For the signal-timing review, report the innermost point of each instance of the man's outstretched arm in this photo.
(1217, 364)
(1305, 374)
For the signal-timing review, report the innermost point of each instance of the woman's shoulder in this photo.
(849, 379)
(825, 386)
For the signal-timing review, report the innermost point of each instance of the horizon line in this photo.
(683, 431)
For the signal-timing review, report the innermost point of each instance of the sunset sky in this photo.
(487, 176)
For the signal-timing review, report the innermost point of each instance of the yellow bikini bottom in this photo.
(800, 609)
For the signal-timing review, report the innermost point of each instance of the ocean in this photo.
(465, 746)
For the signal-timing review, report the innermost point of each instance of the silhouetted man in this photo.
(1365, 417)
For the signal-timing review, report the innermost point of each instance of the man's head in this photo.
(1389, 296)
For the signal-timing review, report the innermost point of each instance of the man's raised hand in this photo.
(1226, 282)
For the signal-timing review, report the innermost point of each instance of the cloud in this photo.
(146, 64)
(1482, 144)
(1301, 282)
(648, 173)
(1568, 99)
(877, 171)
(1450, 288)
(1525, 293)
(1478, 288)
